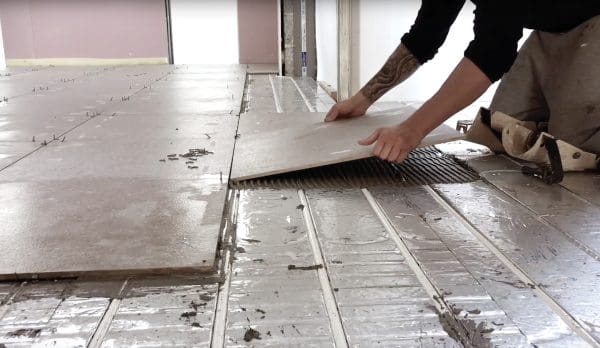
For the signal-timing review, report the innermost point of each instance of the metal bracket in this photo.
(549, 173)
(463, 125)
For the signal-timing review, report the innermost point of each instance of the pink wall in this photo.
(84, 28)
(257, 23)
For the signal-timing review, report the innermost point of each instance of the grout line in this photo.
(237, 127)
(222, 306)
(306, 101)
(572, 322)
(24, 156)
(275, 96)
(337, 327)
(106, 321)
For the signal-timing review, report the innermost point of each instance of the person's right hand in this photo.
(356, 106)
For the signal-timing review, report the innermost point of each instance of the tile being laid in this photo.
(255, 122)
(303, 145)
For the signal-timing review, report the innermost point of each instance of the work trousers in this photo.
(556, 79)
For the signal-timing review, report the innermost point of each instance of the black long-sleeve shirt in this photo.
(498, 27)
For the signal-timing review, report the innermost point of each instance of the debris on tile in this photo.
(251, 334)
(196, 153)
(188, 315)
(305, 268)
(195, 305)
(31, 333)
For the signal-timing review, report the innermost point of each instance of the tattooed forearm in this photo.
(399, 66)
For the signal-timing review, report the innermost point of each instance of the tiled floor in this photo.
(126, 132)
(505, 261)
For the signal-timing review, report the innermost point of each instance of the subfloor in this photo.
(501, 261)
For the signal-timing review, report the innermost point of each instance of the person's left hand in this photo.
(394, 143)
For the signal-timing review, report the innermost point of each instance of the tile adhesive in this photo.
(424, 166)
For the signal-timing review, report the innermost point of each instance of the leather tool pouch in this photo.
(529, 141)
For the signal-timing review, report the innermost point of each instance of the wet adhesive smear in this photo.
(251, 334)
(424, 166)
(305, 268)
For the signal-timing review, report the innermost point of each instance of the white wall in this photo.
(205, 31)
(326, 32)
(381, 24)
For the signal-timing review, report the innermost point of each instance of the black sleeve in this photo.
(431, 27)
(498, 29)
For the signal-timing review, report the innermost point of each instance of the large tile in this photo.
(301, 145)
(10, 151)
(132, 187)
(195, 97)
(49, 104)
(159, 126)
(113, 226)
(94, 152)
(35, 128)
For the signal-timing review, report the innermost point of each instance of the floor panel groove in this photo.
(454, 326)
(581, 329)
(337, 325)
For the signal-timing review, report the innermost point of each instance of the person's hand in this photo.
(394, 143)
(356, 106)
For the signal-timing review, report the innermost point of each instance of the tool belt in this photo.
(529, 141)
